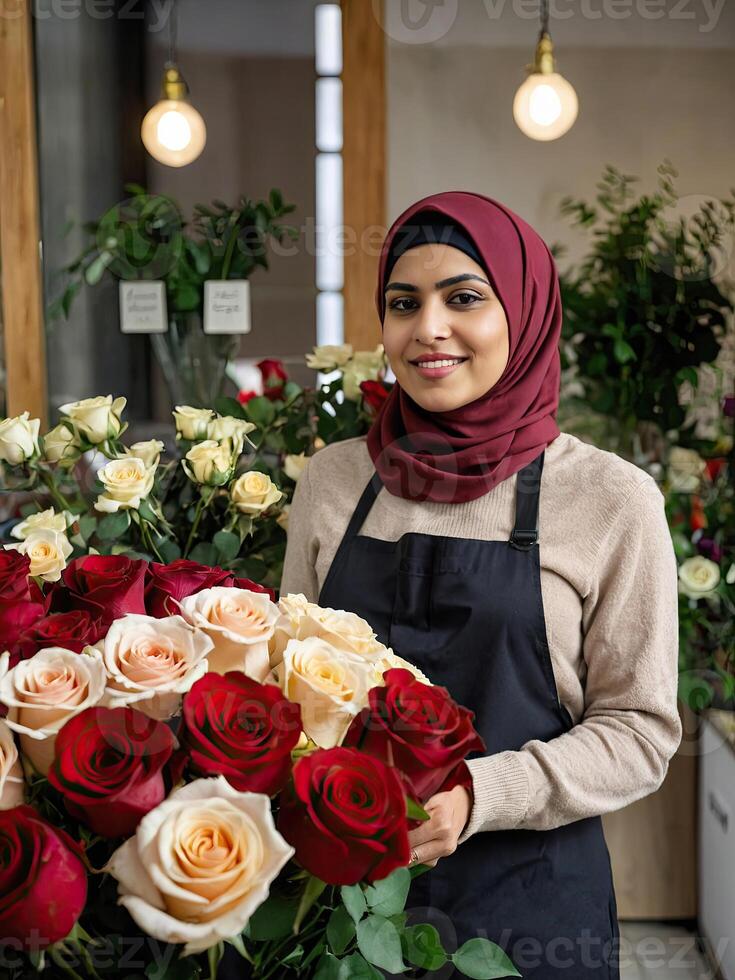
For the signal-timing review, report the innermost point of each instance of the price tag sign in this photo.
(227, 306)
(143, 307)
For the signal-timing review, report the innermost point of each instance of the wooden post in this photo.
(22, 291)
(364, 162)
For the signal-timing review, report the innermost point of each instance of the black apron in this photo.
(469, 614)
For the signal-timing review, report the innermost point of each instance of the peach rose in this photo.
(151, 663)
(330, 685)
(240, 624)
(11, 771)
(44, 692)
(200, 864)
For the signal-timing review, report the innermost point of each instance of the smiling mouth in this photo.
(436, 365)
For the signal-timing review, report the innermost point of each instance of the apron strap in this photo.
(364, 504)
(528, 483)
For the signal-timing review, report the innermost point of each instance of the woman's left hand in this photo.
(437, 837)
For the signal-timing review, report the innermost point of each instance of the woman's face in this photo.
(439, 301)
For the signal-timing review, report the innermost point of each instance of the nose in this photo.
(432, 323)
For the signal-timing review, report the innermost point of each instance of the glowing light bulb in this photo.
(173, 132)
(545, 105)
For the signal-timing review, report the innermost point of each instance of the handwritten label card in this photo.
(143, 307)
(227, 306)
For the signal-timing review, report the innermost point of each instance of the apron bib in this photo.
(469, 614)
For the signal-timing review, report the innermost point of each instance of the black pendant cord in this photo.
(172, 33)
(544, 18)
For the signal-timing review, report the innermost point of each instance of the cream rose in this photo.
(127, 482)
(300, 619)
(60, 445)
(97, 419)
(685, 469)
(11, 771)
(390, 660)
(149, 450)
(47, 550)
(698, 577)
(294, 465)
(200, 864)
(44, 520)
(328, 683)
(228, 427)
(364, 366)
(327, 357)
(151, 663)
(192, 423)
(239, 622)
(44, 692)
(209, 462)
(254, 492)
(19, 439)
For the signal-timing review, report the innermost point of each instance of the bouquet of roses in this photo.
(186, 763)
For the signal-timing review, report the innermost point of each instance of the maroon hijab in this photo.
(453, 456)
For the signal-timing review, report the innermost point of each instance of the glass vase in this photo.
(193, 362)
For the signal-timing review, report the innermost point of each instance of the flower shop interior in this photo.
(193, 197)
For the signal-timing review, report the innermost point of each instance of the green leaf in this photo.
(388, 896)
(354, 901)
(205, 553)
(229, 406)
(340, 929)
(169, 550)
(260, 410)
(273, 919)
(87, 525)
(623, 351)
(414, 810)
(422, 946)
(328, 968)
(112, 526)
(146, 512)
(227, 544)
(483, 960)
(354, 967)
(380, 943)
(96, 268)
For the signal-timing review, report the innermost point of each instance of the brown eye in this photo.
(395, 304)
(466, 299)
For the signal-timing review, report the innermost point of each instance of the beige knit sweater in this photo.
(609, 588)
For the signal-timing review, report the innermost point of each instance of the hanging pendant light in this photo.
(173, 132)
(545, 106)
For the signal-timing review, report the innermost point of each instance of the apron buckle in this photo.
(523, 540)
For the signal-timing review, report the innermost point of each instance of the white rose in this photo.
(300, 619)
(328, 683)
(254, 492)
(228, 427)
(127, 482)
(11, 771)
(698, 577)
(19, 439)
(192, 423)
(294, 465)
(364, 366)
(60, 445)
(730, 577)
(200, 864)
(98, 419)
(151, 663)
(209, 462)
(685, 469)
(44, 692)
(149, 450)
(47, 550)
(240, 624)
(327, 357)
(44, 520)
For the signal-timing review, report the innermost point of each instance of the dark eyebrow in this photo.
(410, 288)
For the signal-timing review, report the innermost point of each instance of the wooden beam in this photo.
(22, 291)
(364, 160)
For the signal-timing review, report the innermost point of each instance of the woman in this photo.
(528, 572)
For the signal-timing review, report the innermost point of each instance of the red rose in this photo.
(109, 767)
(246, 583)
(274, 375)
(244, 396)
(345, 813)
(106, 586)
(14, 571)
(243, 730)
(15, 619)
(165, 585)
(71, 630)
(374, 394)
(43, 883)
(714, 466)
(420, 730)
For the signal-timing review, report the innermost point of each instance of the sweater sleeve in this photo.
(299, 574)
(619, 750)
